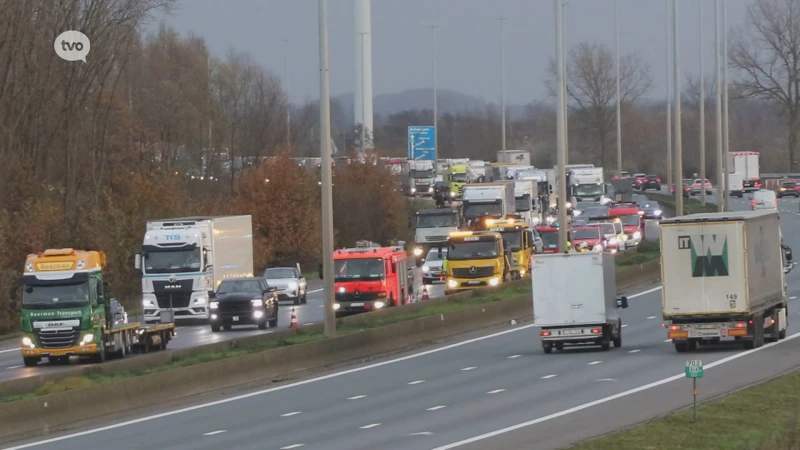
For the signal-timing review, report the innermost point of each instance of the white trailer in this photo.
(184, 259)
(736, 184)
(495, 200)
(723, 278)
(575, 300)
(522, 157)
(747, 164)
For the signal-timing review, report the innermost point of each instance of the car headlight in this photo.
(87, 339)
(657, 212)
(213, 305)
(256, 302)
(292, 285)
(426, 269)
(147, 303)
(494, 281)
(576, 213)
(452, 194)
(379, 305)
(336, 306)
(597, 248)
(637, 235)
(452, 283)
(569, 205)
(342, 290)
(27, 342)
(417, 251)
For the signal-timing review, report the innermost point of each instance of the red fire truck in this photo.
(370, 278)
(549, 236)
(632, 223)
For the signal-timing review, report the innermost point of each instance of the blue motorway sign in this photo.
(421, 143)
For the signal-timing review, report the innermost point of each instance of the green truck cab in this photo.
(457, 177)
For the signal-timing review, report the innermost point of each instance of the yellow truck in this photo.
(518, 238)
(457, 177)
(475, 259)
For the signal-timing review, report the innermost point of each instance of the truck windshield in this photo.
(458, 177)
(422, 173)
(630, 220)
(464, 251)
(549, 239)
(513, 239)
(62, 295)
(175, 261)
(236, 286)
(358, 269)
(608, 228)
(438, 221)
(587, 190)
(586, 233)
(475, 210)
(523, 203)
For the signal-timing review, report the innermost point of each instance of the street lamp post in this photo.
(502, 82)
(619, 112)
(433, 28)
(286, 84)
(561, 176)
(718, 106)
(327, 185)
(677, 80)
(363, 100)
(702, 111)
(562, 36)
(670, 179)
(725, 128)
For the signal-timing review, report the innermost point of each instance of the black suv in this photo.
(651, 182)
(788, 188)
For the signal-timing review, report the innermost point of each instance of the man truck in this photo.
(67, 311)
(431, 228)
(723, 279)
(184, 259)
(576, 313)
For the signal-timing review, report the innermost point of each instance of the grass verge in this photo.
(367, 323)
(8, 336)
(690, 205)
(646, 251)
(763, 417)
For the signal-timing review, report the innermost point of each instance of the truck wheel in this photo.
(228, 327)
(548, 348)
(560, 346)
(215, 328)
(605, 343)
(263, 325)
(30, 362)
(164, 340)
(681, 347)
(305, 298)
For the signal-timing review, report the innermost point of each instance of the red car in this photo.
(549, 237)
(591, 234)
(632, 223)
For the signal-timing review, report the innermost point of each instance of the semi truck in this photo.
(474, 260)
(576, 313)
(457, 177)
(67, 311)
(522, 157)
(420, 177)
(723, 279)
(747, 164)
(431, 228)
(184, 259)
(493, 200)
(525, 199)
(587, 184)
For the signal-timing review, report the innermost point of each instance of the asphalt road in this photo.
(463, 395)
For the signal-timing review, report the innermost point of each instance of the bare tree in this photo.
(591, 87)
(766, 51)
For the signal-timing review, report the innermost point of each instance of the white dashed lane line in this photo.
(417, 382)
(593, 363)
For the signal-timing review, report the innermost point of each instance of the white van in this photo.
(764, 199)
(736, 184)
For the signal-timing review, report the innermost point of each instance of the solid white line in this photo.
(291, 385)
(668, 340)
(624, 325)
(356, 397)
(211, 433)
(436, 407)
(593, 363)
(792, 298)
(609, 398)
(634, 351)
(470, 368)
(289, 447)
(372, 425)
(309, 323)
(417, 382)
(10, 350)
(294, 413)
(496, 391)
(548, 376)
(315, 290)
(514, 356)
(14, 367)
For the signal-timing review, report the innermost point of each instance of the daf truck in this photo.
(184, 259)
(420, 177)
(67, 311)
(747, 164)
(723, 279)
(493, 200)
(575, 300)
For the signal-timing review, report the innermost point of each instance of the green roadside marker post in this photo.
(694, 370)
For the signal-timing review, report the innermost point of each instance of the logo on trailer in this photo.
(709, 254)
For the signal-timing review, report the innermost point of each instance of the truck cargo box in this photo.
(721, 264)
(573, 289)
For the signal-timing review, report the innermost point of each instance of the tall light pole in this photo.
(433, 28)
(718, 105)
(502, 81)
(678, 145)
(561, 176)
(619, 112)
(670, 162)
(327, 185)
(702, 110)
(724, 191)
(286, 85)
(564, 47)
(363, 100)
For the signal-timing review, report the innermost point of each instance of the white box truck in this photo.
(183, 259)
(747, 164)
(723, 278)
(569, 312)
(494, 200)
(522, 157)
(736, 184)
(587, 184)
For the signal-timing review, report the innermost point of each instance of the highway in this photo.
(462, 395)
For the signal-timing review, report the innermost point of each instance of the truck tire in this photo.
(618, 339)
(782, 333)
(681, 347)
(30, 362)
(297, 300)
(605, 342)
(560, 346)
(262, 325)
(228, 327)
(548, 348)
(305, 298)
(215, 328)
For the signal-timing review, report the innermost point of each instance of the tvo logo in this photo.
(72, 46)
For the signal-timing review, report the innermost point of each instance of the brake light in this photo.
(796, 188)
(772, 321)
(544, 333)
(675, 328)
(742, 324)
(597, 330)
(752, 203)
(658, 180)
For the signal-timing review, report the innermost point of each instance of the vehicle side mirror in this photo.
(622, 302)
(320, 271)
(137, 261)
(209, 259)
(212, 295)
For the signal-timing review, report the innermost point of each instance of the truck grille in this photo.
(179, 299)
(235, 307)
(480, 272)
(435, 238)
(57, 338)
(351, 297)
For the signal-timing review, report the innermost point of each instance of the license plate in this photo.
(708, 333)
(572, 332)
(706, 326)
(356, 304)
(235, 318)
(473, 282)
(58, 353)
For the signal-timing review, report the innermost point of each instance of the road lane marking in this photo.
(417, 382)
(634, 351)
(496, 391)
(309, 323)
(212, 433)
(315, 290)
(651, 317)
(473, 367)
(668, 340)
(514, 356)
(593, 363)
(436, 407)
(792, 298)
(9, 350)
(372, 425)
(421, 433)
(289, 447)
(627, 393)
(548, 376)
(293, 413)
(356, 397)
(624, 325)
(297, 384)
(14, 367)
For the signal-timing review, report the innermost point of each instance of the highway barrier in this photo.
(34, 414)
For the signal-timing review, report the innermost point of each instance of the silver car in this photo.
(432, 269)
(290, 282)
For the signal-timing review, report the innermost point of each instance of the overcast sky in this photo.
(468, 39)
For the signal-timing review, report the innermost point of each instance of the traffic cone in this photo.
(293, 324)
(425, 294)
(412, 298)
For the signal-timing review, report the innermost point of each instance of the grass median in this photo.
(763, 417)
(690, 205)
(301, 337)
(646, 251)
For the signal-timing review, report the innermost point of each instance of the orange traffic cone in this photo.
(294, 319)
(425, 294)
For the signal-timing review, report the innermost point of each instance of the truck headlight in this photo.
(336, 306)
(147, 303)
(292, 285)
(569, 205)
(342, 290)
(417, 251)
(426, 269)
(27, 342)
(430, 189)
(452, 194)
(452, 283)
(637, 235)
(413, 190)
(199, 300)
(494, 281)
(213, 305)
(379, 305)
(576, 213)
(256, 302)
(87, 339)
